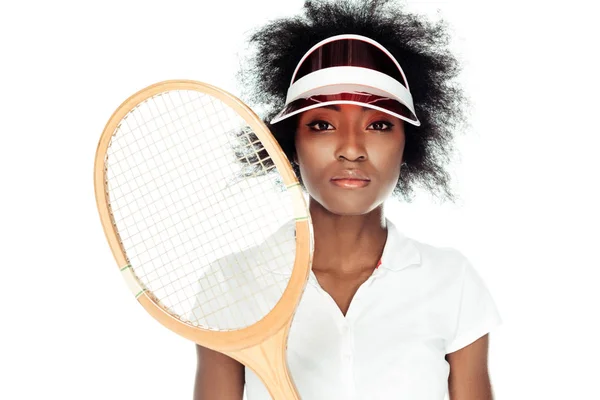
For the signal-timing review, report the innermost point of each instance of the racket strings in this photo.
(246, 282)
(177, 179)
(240, 284)
(253, 153)
(251, 161)
(150, 127)
(167, 293)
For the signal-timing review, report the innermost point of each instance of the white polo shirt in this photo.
(420, 304)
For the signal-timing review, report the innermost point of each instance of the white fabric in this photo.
(336, 80)
(420, 304)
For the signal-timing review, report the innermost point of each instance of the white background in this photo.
(527, 175)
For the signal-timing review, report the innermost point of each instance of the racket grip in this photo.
(268, 361)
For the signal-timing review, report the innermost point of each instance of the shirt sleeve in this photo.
(477, 311)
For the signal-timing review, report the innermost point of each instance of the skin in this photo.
(349, 224)
(469, 378)
(349, 232)
(218, 377)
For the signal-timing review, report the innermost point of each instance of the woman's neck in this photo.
(347, 244)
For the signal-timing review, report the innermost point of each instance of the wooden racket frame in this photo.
(261, 346)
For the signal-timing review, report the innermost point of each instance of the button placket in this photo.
(346, 342)
(347, 355)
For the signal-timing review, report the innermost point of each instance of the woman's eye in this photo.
(381, 126)
(320, 126)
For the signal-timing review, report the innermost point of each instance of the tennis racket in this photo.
(207, 222)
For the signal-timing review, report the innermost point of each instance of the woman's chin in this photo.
(349, 207)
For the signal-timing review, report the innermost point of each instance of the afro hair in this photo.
(419, 45)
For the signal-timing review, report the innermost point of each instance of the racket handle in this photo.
(268, 361)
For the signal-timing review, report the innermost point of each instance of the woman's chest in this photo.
(341, 289)
(380, 347)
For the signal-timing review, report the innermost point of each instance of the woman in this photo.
(361, 100)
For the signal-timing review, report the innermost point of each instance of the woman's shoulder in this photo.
(439, 255)
(434, 257)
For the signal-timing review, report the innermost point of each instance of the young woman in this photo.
(361, 99)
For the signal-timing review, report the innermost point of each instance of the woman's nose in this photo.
(351, 145)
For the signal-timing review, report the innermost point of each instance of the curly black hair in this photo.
(419, 45)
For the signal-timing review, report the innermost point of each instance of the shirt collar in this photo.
(399, 251)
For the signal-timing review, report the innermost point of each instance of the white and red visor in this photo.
(349, 69)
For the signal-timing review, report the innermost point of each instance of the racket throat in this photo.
(268, 361)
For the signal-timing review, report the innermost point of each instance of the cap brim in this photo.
(380, 103)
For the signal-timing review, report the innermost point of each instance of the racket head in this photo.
(282, 312)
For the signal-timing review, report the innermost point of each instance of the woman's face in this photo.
(349, 156)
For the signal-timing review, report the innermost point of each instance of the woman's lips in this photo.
(348, 183)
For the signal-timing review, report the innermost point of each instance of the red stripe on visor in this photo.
(348, 53)
(349, 69)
